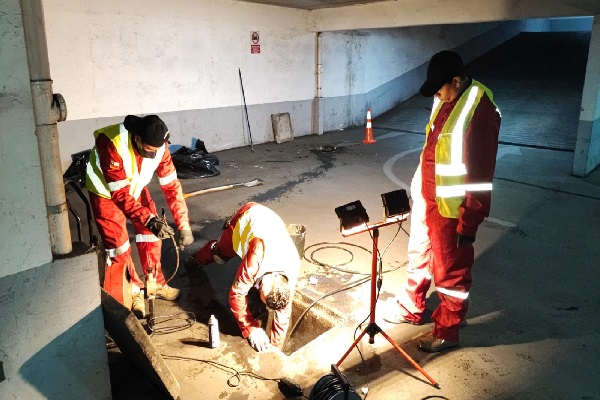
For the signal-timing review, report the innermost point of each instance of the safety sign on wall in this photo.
(254, 42)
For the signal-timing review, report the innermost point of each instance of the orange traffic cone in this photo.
(369, 132)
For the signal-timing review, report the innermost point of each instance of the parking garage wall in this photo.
(382, 68)
(180, 60)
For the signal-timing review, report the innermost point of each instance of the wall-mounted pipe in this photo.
(319, 65)
(48, 109)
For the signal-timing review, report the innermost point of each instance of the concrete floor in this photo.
(532, 333)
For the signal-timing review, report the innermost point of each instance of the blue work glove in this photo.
(259, 340)
(462, 239)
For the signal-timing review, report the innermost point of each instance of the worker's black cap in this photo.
(443, 66)
(150, 128)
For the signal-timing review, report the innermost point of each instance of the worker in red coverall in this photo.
(122, 163)
(267, 274)
(451, 193)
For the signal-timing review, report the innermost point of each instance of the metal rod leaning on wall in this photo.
(246, 110)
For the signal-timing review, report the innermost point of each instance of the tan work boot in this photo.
(139, 306)
(431, 344)
(167, 292)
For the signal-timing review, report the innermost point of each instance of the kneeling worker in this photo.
(122, 163)
(269, 268)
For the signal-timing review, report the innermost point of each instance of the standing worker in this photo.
(122, 163)
(266, 276)
(451, 193)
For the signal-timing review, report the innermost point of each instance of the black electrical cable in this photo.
(347, 286)
(236, 376)
(154, 323)
(329, 386)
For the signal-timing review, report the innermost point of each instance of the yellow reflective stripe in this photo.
(122, 142)
(119, 250)
(167, 179)
(450, 169)
(454, 293)
(114, 186)
(146, 238)
(95, 181)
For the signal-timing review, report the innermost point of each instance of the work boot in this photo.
(431, 344)
(167, 292)
(139, 306)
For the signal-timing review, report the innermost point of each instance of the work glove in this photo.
(462, 239)
(185, 238)
(259, 340)
(159, 227)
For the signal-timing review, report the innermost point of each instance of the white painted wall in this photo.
(25, 243)
(51, 335)
(113, 58)
(587, 149)
(380, 68)
(355, 62)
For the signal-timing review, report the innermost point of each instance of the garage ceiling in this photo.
(592, 6)
(311, 4)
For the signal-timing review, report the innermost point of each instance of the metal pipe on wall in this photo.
(317, 108)
(48, 109)
(319, 65)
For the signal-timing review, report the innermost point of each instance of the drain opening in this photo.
(307, 325)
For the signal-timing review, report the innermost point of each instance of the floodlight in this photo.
(354, 219)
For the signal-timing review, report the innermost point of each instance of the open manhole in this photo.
(308, 321)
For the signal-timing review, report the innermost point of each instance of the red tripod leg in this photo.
(351, 347)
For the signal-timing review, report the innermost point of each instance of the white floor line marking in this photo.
(500, 222)
(387, 168)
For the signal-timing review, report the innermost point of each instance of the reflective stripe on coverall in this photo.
(432, 248)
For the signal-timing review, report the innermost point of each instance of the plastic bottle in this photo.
(213, 332)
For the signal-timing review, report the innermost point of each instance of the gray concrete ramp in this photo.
(135, 344)
(537, 81)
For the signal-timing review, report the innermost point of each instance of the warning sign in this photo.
(254, 42)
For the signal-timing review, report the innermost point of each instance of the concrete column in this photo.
(587, 148)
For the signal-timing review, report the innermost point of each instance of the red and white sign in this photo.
(255, 42)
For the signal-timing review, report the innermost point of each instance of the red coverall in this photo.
(432, 247)
(111, 214)
(251, 270)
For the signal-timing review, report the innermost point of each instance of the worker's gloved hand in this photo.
(259, 340)
(185, 237)
(159, 227)
(462, 239)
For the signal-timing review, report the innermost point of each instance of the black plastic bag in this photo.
(76, 171)
(195, 163)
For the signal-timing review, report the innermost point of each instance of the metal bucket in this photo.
(298, 233)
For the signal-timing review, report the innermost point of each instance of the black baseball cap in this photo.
(150, 128)
(443, 66)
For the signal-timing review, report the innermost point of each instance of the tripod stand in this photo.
(372, 329)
